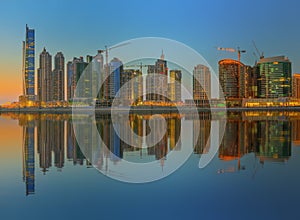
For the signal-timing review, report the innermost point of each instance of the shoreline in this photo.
(144, 109)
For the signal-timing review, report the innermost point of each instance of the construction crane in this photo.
(233, 51)
(106, 62)
(261, 55)
(136, 65)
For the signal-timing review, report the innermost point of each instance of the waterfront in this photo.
(255, 172)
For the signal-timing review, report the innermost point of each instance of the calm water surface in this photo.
(255, 174)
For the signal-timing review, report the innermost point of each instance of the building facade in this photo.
(45, 77)
(233, 78)
(274, 78)
(157, 81)
(75, 69)
(132, 86)
(174, 87)
(296, 85)
(201, 84)
(58, 77)
(114, 78)
(28, 69)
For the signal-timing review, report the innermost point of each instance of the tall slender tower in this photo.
(28, 68)
(58, 76)
(44, 77)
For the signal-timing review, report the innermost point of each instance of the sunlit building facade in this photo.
(174, 89)
(296, 85)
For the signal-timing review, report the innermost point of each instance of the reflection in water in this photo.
(268, 136)
(28, 156)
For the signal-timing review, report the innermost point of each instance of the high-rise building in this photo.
(252, 81)
(114, 78)
(98, 76)
(296, 85)
(132, 86)
(58, 77)
(174, 90)
(233, 78)
(70, 91)
(45, 77)
(274, 78)
(156, 81)
(201, 84)
(74, 72)
(28, 69)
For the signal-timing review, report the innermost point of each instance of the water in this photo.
(44, 174)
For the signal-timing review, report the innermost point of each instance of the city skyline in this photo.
(229, 27)
(270, 80)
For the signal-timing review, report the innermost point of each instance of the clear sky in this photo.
(78, 28)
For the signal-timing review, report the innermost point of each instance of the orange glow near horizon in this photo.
(11, 80)
(10, 136)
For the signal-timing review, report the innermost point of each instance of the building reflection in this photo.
(296, 132)
(267, 136)
(28, 153)
(201, 132)
(53, 137)
(118, 149)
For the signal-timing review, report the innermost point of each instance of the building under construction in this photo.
(233, 77)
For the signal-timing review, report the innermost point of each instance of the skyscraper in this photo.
(156, 81)
(74, 72)
(58, 77)
(274, 77)
(132, 86)
(233, 77)
(28, 69)
(98, 76)
(114, 79)
(296, 85)
(44, 77)
(175, 86)
(201, 84)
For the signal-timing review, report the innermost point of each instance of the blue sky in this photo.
(81, 27)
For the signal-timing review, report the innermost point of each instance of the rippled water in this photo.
(44, 173)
